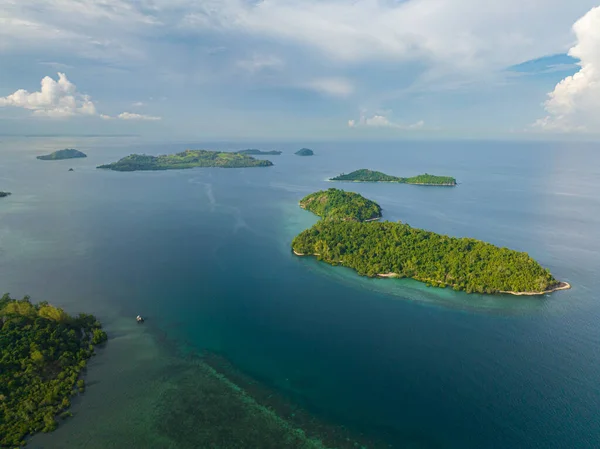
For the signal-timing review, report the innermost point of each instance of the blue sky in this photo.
(301, 69)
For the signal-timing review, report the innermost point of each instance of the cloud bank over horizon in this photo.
(287, 67)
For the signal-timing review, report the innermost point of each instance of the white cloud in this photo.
(56, 65)
(336, 87)
(465, 34)
(54, 99)
(258, 63)
(138, 104)
(60, 99)
(574, 104)
(462, 34)
(134, 116)
(382, 121)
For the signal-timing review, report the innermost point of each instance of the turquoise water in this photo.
(204, 254)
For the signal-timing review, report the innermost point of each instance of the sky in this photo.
(301, 69)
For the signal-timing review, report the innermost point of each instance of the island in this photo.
(68, 153)
(335, 204)
(304, 152)
(344, 236)
(4, 194)
(365, 175)
(186, 159)
(255, 152)
(43, 353)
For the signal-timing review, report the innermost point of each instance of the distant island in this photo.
(365, 175)
(385, 249)
(68, 153)
(186, 159)
(304, 152)
(255, 152)
(4, 194)
(43, 353)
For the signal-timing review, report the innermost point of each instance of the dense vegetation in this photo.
(3, 194)
(304, 152)
(254, 151)
(335, 204)
(42, 353)
(68, 153)
(365, 175)
(385, 248)
(186, 159)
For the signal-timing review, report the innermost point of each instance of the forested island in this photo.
(386, 249)
(365, 175)
(256, 152)
(4, 194)
(68, 153)
(186, 159)
(43, 351)
(304, 152)
(335, 204)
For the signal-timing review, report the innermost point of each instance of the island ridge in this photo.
(42, 355)
(365, 175)
(4, 194)
(386, 249)
(304, 152)
(68, 153)
(186, 159)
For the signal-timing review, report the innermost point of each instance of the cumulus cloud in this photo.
(382, 121)
(336, 87)
(58, 98)
(574, 104)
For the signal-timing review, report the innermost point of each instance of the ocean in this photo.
(204, 255)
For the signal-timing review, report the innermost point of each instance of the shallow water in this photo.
(204, 254)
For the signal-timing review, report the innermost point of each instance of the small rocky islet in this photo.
(304, 152)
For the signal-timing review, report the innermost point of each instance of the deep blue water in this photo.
(204, 254)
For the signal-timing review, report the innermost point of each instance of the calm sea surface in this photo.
(204, 254)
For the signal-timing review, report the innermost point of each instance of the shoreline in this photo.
(560, 286)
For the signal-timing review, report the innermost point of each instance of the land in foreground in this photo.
(43, 352)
